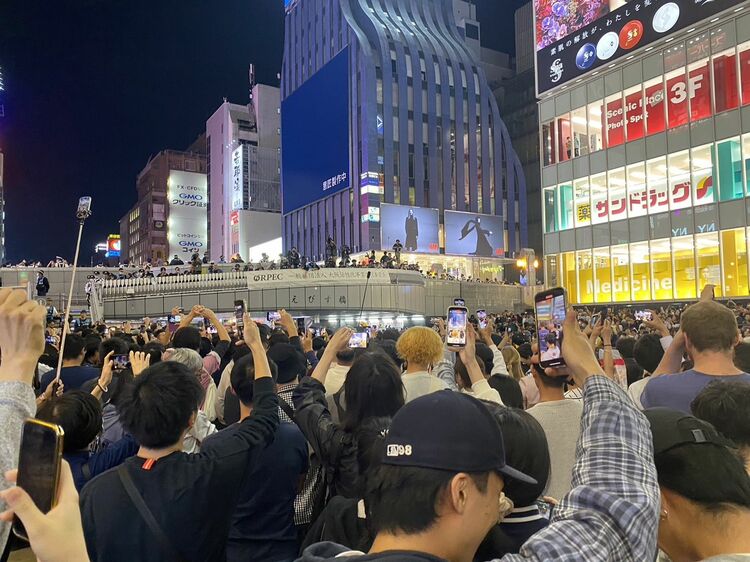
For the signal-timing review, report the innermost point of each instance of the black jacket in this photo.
(336, 448)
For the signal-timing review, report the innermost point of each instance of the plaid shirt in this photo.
(612, 512)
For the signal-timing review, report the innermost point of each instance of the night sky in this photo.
(94, 87)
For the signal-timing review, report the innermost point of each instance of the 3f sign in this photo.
(678, 89)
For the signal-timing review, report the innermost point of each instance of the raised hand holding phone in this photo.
(339, 342)
(580, 362)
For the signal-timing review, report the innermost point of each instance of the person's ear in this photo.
(459, 493)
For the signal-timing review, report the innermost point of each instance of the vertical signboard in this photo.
(238, 178)
(188, 207)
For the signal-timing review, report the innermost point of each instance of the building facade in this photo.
(243, 148)
(402, 83)
(170, 216)
(646, 170)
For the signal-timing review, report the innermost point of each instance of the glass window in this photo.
(564, 140)
(684, 267)
(595, 126)
(617, 205)
(621, 269)
(637, 190)
(746, 158)
(583, 203)
(634, 113)
(679, 180)
(655, 106)
(615, 121)
(677, 98)
(585, 277)
(744, 56)
(603, 275)
(548, 143)
(570, 280)
(725, 80)
(599, 204)
(551, 209)
(699, 90)
(709, 270)
(565, 198)
(701, 165)
(640, 285)
(734, 262)
(661, 269)
(729, 158)
(580, 136)
(552, 274)
(658, 192)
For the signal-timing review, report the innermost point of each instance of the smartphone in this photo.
(120, 362)
(459, 302)
(240, 306)
(273, 316)
(457, 326)
(595, 319)
(39, 466)
(50, 340)
(482, 318)
(359, 340)
(301, 325)
(642, 315)
(550, 307)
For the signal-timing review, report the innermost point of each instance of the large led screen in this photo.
(471, 234)
(417, 228)
(187, 226)
(315, 136)
(576, 36)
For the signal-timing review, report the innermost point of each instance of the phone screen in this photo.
(482, 318)
(456, 329)
(550, 314)
(120, 362)
(358, 340)
(39, 466)
(273, 316)
(642, 315)
(239, 312)
(595, 318)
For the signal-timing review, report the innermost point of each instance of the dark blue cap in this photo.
(448, 430)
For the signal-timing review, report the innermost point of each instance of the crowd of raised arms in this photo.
(260, 443)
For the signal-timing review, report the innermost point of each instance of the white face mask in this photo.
(505, 506)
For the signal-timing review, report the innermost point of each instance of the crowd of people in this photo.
(257, 442)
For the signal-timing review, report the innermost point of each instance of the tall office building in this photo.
(645, 152)
(243, 176)
(2, 188)
(391, 132)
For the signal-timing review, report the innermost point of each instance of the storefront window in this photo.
(655, 106)
(564, 140)
(595, 126)
(658, 192)
(634, 113)
(569, 275)
(617, 205)
(565, 198)
(580, 136)
(725, 80)
(684, 267)
(599, 202)
(550, 209)
(734, 262)
(583, 202)
(585, 277)
(640, 283)
(548, 143)
(709, 270)
(677, 98)
(729, 157)
(701, 164)
(679, 180)
(551, 273)
(637, 190)
(615, 121)
(746, 158)
(661, 270)
(621, 269)
(744, 56)
(603, 275)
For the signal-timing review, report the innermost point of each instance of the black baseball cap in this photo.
(289, 360)
(671, 428)
(448, 430)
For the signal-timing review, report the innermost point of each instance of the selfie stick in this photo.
(364, 295)
(84, 212)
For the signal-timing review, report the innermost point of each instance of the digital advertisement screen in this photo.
(574, 37)
(417, 228)
(550, 314)
(187, 227)
(315, 139)
(471, 234)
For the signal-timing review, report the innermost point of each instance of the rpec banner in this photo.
(187, 230)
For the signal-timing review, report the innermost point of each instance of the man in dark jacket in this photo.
(42, 285)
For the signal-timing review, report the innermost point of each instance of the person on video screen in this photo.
(552, 351)
(484, 248)
(412, 231)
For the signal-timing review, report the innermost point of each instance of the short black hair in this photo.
(707, 474)
(509, 390)
(648, 352)
(404, 499)
(546, 380)
(373, 388)
(625, 346)
(74, 346)
(79, 414)
(155, 350)
(158, 405)
(243, 377)
(724, 404)
(389, 334)
(278, 336)
(188, 337)
(118, 345)
(387, 347)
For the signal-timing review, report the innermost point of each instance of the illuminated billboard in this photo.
(187, 226)
(417, 228)
(315, 136)
(575, 37)
(113, 246)
(472, 234)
